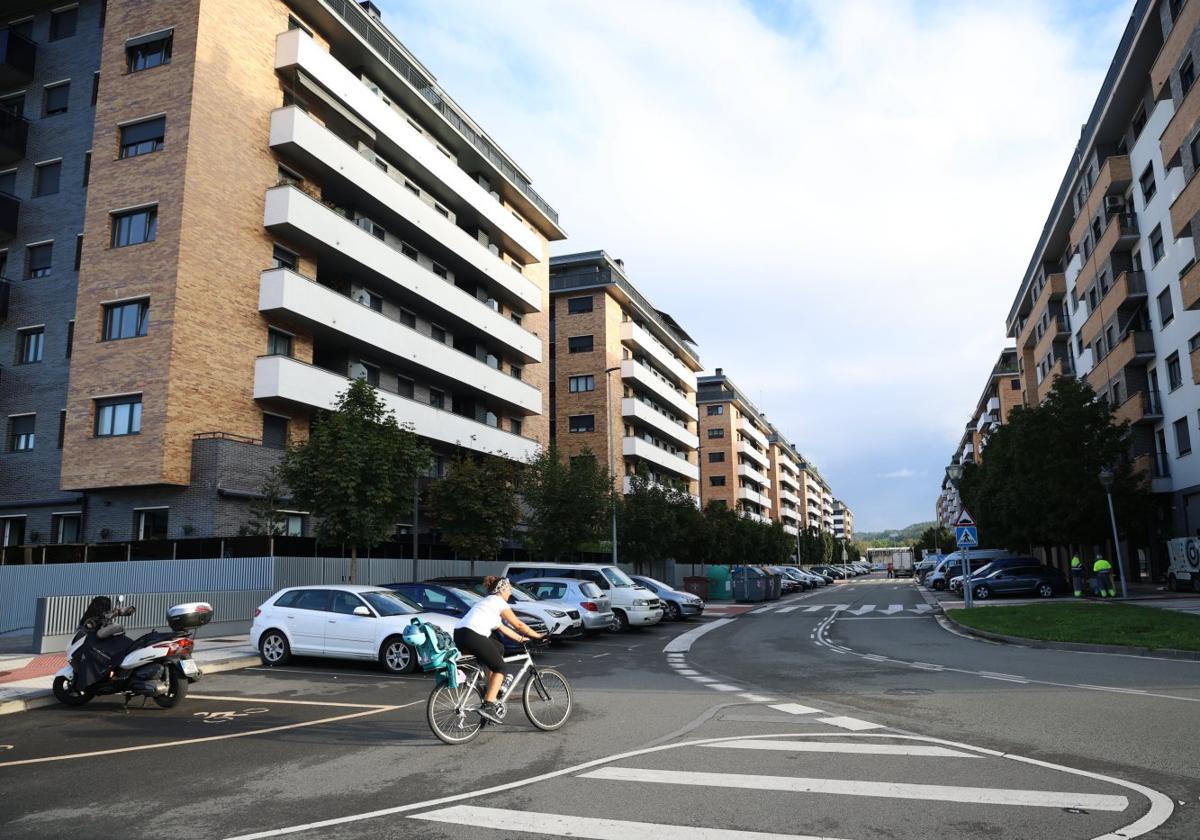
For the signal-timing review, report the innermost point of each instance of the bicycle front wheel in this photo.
(547, 699)
(453, 713)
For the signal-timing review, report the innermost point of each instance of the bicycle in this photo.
(453, 712)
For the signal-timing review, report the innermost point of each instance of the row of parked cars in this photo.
(993, 572)
(803, 579)
(367, 622)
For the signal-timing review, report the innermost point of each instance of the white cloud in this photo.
(839, 211)
(903, 472)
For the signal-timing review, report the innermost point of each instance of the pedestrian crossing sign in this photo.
(967, 536)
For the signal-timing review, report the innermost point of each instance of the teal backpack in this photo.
(435, 650)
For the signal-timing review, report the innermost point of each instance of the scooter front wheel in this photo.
(67, 695)
(177, 688)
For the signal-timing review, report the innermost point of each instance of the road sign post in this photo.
(966, 535)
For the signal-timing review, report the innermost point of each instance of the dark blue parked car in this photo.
(450, 600)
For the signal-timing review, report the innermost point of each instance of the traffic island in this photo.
(1090, 627)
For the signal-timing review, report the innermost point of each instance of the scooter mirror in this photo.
(120, 599)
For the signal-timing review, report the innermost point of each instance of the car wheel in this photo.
(397, 656)
(939, 585)
(1045, 590)
(620, 620)
(982, 593)
(674, 613)
(273, 648)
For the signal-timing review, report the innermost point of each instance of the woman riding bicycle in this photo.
(473, 635)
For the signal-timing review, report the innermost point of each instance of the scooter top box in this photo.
(189, 616)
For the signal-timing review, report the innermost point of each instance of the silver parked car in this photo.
(678, 604)
(593, 605)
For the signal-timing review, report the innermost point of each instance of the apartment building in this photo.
(622, 376)
(735, 459)
(949, 505)
(212, 216)
(811, 495)
(1113, 288)
(843, 521)
(787, 503)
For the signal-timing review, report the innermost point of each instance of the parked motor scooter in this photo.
(157, 665)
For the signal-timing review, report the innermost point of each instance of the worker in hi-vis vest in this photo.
(1077, 575)
(1103, 571)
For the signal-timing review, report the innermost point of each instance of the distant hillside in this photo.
(903, 536)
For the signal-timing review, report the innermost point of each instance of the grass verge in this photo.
(1097, 624)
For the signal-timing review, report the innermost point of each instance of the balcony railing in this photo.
(18, 55)
(14, 136)
(10, 212)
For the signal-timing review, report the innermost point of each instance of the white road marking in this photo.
(723, 687)
(594, 828)
(850, 787)
(892, 609)
(287, 702)
(1161, 807)
(875, 656)
(844, 748)
(853, 724)
(763, 609)
(687, 672)
(702, 679)
(342, 674)
(1017, 680)
(1002, 676)
(863, 610)
(796, 709)
(816, 608)
(920, 609)
(683, 642)
(1113, 688)
(926, 666)
(756, 698)
(789, 609)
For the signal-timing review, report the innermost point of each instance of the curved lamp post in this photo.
(1106, 481)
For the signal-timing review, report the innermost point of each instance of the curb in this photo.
(46, 696)
(1041, 644)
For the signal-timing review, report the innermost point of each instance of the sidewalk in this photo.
(25, 679)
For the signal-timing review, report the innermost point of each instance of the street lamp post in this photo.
(612, 455)
(954, 472)
(1106, 481)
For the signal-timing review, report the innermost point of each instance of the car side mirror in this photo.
(363, 611)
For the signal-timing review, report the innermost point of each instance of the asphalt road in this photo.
(844, 713)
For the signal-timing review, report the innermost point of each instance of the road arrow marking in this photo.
(817, 608)
(863, 610)
(921, 609)
(892, 609)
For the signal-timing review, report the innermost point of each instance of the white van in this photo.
(951, 565)
(632, 604)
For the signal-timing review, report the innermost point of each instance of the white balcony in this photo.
(302, 137)
(303, 300)
(788, 481)
(748, 429)
(295, 49)
(304, 218)
(664, 425)
(642, 375)
(792, 530)
(641, 339)
(635, 447)
(748, 495)
(748, 472)
(293, 381)
(788, 496)
(753, 454)
(627, 488)
(755, 517)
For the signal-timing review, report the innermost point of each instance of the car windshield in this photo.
(520, 593)
(617, 578)
(388, 603)
(651, 583)
(466, 594)
(985, 569)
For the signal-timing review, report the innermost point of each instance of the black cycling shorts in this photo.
(487, 650)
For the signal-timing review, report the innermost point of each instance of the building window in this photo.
(278, 343)
(125, 320)
(441, 272)
(716, 457)
(293, 525)
(1187, 75)
(144, 137)
(8, 182)
(1139, 121)
(579, 344)
(578, 384)
(1174, 372)
(579, 305)
(20, 432)
(716, 433)
(62, 427)
(150, 524)
(514, 426)
(714, 410)
(12, 530)
(515, 372)
(30, 344)
(70, 337)
(78, 251)
(118, 416)
(46, 177)
(408, 251)
(283, 258)
(62, 24)
(1157, 251)
(134, 227)
(408, 319)
(582, 423)
(437, 399)
(148, 51)
(87, 169)
(437, 333)
(716, 480)
(1147, 182)
(405, 387)
(56, 99)
(1183, 437)
(1166, 311)
(274, 431)
(95, 88)
(368, 372)
(65, 527)
(295, 24)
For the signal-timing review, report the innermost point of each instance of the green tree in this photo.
(653, 523)
(933, 538)
(265, 518)
(356, 472)
(475, 506)
(778, 544)
(569, 502)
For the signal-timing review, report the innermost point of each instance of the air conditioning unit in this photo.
(1114, 204)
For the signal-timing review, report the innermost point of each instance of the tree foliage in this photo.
(265, 517)
(356, 472)
(475, 506)
(568, 501)
(934, 538)
(1039, 482)
(655, 523)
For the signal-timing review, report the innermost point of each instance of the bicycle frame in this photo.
(526, 658)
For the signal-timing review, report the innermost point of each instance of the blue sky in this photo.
(837, 200)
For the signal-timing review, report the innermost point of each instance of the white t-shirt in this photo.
(484, 617)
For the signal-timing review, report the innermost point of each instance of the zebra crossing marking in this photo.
(796, 709)
(853, 724)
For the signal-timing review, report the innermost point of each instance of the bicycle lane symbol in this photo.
(226, 717)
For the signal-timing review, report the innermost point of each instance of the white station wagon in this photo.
(344, 621)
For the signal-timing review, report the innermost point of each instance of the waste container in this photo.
(719, 586)
(749, 584)
(774, 586)
(696, 585)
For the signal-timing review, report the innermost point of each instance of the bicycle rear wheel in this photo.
(547, 699)
(453, 713)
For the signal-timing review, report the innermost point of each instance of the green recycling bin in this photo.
(719, 586)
